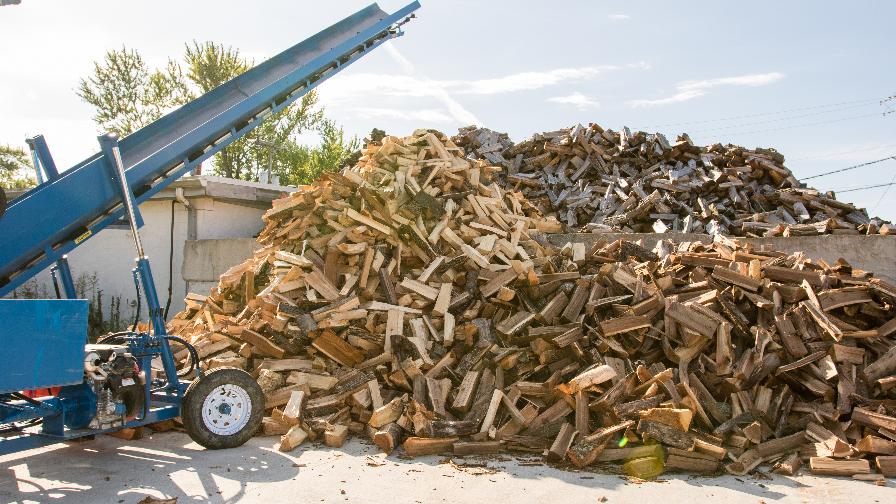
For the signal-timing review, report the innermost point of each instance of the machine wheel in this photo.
(223, 409)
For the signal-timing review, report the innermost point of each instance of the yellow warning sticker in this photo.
(83, 237)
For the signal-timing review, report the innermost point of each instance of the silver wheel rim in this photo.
(226, 409)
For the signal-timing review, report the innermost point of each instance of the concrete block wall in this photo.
(206, 260)
(875, 253)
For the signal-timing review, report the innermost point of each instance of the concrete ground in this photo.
(110, 470)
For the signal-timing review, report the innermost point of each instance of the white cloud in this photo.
(355, 91)
(619, 17)
(357, 84)
(350, 88)
(577, 100)
(524, 81)
(688, 90)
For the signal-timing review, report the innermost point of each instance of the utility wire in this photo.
(804, 125)
(760, 114)
(885, 103)
(892, 181)
(832, 154)
(848, 168)
(776, 120)
(841, 191)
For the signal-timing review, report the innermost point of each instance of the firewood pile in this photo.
(403, 300)
(600, 180)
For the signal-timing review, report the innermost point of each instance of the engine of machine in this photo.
(117, 382)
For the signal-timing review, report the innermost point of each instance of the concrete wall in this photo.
(206, 260)
(875, 253)
(217, 219)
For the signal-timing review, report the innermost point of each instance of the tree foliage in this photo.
(209, 64)
(128, 95)
(16, 171)
(303, 165)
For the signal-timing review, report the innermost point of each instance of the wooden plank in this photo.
(591, 377)
(464, 448)
(379, 226)
(387, 413)
(337, 349)
(492, 411)
(554, 307)
(555, 412)
(833, 299)
(430, 293)
(261, 344)
(669, 436)
(388, 437)
(500, 280)
(788, 275)
(562, 442)
(883, 366)
(577, 301)
(336, 435)
(320, 283)
(886, 465)
(295, 436)
(873, 419)
(292, 412)
(515, 324)
(831, 467)
(463, 400)
(621, 325)
(583, 413)
(692, 319)
(876, 445)
(822, 320)
(418, 446)
(730, 276)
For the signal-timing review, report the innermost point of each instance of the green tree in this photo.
(209, 64)
(128, 95)
(303, 165)
(16, 170)
(334, 150)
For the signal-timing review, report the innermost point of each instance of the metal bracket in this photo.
(40, 155)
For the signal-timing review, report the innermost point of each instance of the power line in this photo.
(885, 103)
(841, 191)
(780, 119)
(804, 125)
(892, 181)
(760, 114)
(832, 154)
(848, 168)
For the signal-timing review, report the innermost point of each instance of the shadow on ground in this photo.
(108, 469)
(170, 465)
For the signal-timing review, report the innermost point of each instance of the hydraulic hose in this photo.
(139, 299)
(194, 355)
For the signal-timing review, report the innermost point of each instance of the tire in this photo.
(223, 409)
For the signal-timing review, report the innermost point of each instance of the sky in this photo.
(805, 77)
